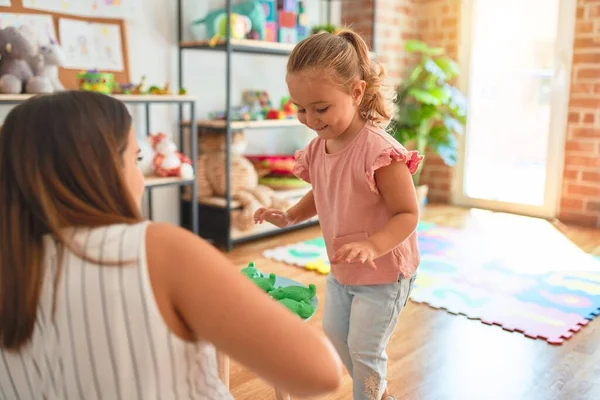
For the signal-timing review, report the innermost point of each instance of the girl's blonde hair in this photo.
(346, 54)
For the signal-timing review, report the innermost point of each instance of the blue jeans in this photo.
(359, 321)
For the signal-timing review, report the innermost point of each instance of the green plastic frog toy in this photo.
(298, 293)
(251, 272)
(302, 309)
(265, 283)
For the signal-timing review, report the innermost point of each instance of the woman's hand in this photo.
(363, 252)
(273, 216)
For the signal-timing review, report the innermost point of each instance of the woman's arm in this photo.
(219, 304)
(395, 184)
(300, 212)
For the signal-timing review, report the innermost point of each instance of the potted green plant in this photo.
(430, 110)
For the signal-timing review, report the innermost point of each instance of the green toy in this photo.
(303, 310)
(265, 283)
(251, 272)
(297, 293)
(252, 9)
(297, 299)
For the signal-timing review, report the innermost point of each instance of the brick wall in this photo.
(580, 197)
(437, 23)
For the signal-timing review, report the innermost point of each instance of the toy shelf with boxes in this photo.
(257, 27)
(150, 182)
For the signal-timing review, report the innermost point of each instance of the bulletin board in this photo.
(68, 77)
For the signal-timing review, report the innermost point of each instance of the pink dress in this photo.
(349, 205)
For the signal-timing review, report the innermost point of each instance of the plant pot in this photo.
(422, 191)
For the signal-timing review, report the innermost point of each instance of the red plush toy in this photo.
(167, 160)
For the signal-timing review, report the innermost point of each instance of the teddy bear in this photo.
(167, 161)
(245, 189)
(17, 49)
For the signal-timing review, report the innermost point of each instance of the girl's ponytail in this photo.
(373, 105)
(345, 54)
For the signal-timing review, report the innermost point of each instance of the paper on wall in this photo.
(5, 3)
(120, 9)
(74, 7)
(40, 24)
(91, 45)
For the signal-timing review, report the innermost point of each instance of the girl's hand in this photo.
(363, 252)
(276, 217)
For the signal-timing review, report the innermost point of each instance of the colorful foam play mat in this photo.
(539, 284)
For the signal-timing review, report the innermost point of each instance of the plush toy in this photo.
(17, 48)
(167, 160)
(297, 293)
(45, 65)
(211, 178)
(302, 309)
(252, 9)
(240, 26)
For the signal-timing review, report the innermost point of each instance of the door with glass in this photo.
(515, 61)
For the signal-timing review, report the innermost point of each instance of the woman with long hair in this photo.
(98, 303)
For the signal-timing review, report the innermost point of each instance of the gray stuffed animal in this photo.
(16, 75)
(45, 64)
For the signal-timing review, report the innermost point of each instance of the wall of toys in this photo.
(283, 21)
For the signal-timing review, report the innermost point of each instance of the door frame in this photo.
(558, 120)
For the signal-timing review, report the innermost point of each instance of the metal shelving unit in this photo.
(215, 219)
(155, 182)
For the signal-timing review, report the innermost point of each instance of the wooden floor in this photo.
(438, 356)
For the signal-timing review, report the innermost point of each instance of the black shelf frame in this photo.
(215, 222)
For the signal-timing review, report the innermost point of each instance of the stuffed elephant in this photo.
(17, 49)
(45, 64)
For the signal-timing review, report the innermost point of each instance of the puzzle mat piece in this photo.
(529, 319)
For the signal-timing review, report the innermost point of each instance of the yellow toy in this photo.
(240, 27)
(319, 266)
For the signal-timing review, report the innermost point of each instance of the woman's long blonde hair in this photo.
(60, 166)
(345, 54)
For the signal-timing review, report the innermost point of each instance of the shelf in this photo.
(156, 181)
(246, 46)
(126, 98)
(221, 202)
(239, 125)
(266, 229)
(242, 46)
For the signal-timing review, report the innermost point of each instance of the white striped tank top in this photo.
(108, 339)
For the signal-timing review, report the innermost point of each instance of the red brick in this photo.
(589, 118)
(571, 175)
(582, 88)
(593, 206)
(577, 146)
(588, 219)
(583, 190)
(584, 161)
(591, 177)
(587, 102)
(584, 27)
(449, 22)
(586, 58)
(573, 116)
(588, 73)
(594, 11)
(571, 204)
(587, 42)
(586, 132)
